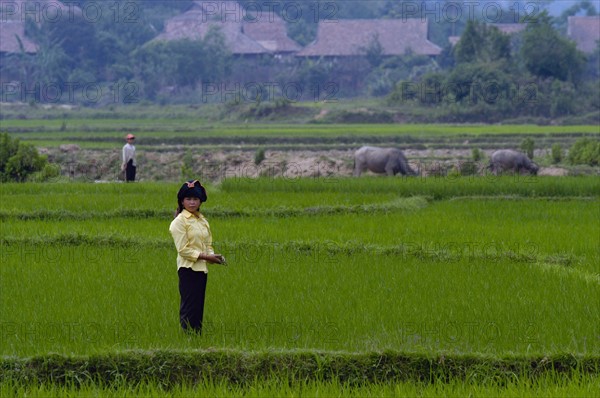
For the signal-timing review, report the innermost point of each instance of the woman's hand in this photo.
(212, 258)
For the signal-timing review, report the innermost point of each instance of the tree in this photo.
(77, 38)
(52, 64)
(468, 46)
(576, 8)
(471, 83)
(18, 160)
(548, 55)
(480, 43)
(182, 63)
(374, 51)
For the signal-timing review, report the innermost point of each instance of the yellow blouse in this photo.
(191, 234)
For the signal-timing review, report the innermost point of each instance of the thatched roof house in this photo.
(509, 28)
(12, 36)
(190, 26)
(585, 32)
(14, 14)
(243, 36)
(351, 37)
(272, 35)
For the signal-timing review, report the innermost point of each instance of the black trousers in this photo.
(130, 171)
(192, 289)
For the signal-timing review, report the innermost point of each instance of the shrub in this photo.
(187, 168)
(468, 168)
(18, 160)
(50, 172)
(259, 156)
(585, 151)
(557, 153)
(527, 146)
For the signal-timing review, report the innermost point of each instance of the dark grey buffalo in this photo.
(390, 161)
(509, 160)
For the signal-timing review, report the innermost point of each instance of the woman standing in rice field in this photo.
(193, 240)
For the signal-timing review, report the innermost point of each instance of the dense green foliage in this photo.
(480, 43)
(498, 77)
(19, 161)
(585, 151)
(548, 55)
(528, 146)
(181, 63)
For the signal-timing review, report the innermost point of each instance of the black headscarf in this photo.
(190, 189)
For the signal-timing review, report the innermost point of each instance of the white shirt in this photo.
(128, 153)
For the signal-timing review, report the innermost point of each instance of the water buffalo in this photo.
(381, 160)
(507, 159)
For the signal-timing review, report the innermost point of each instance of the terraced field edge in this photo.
(173, 368)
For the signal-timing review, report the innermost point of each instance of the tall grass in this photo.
(85, 298)
(263, 193)
(435, 187)
(550, 385)
(580, 385)
(534, 227)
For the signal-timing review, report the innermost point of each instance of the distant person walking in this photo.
(193, 240)
(129, 165)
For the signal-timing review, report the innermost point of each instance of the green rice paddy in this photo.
(380, 265)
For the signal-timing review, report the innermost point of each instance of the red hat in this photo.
(130, 136)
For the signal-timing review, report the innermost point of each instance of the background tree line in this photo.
(495, 76)
(487, 75)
